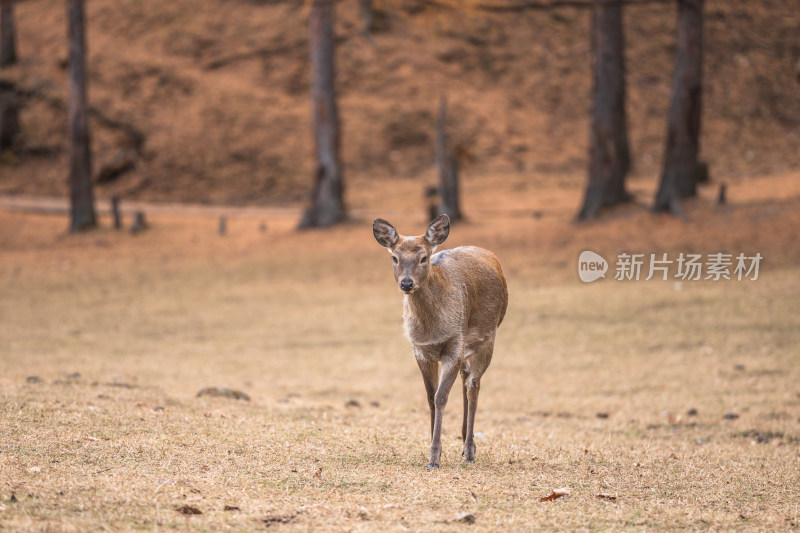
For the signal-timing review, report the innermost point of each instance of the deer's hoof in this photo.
(433, 466)
(469, 453)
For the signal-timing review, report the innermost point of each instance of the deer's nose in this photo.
(407, 284)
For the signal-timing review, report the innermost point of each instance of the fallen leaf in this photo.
(672, 456)
(121, 385)
(464, 518)
(278, 519)
(34, 470)
(606, 496)
(674, 419)
(188, 510)
(223, 392)
(556, 494)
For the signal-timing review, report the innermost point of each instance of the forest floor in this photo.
(210, 100)
(679, 400)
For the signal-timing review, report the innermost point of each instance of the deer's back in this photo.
(478, 274)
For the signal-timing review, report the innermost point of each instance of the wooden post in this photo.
(139, 222)
(9, 115)
(447, 167)
(8, 38)
(115, 211)
(80, 161)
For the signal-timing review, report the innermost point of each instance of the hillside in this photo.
(219, 90)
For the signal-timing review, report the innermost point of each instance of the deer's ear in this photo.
(384, 233)
(437, 231)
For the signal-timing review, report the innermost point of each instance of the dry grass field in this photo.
(613, 387)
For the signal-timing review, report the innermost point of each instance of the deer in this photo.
(453, 303)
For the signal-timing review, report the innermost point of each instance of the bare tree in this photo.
(609, 153)
(682, 170)
(447, 165)
(80, 157)
(327, 206)
(9, 115)
(367, 13)
(8, 40)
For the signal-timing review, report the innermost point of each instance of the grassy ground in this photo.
(591, 386)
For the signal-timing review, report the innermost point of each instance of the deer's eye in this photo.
(423, 260)
(394, 259)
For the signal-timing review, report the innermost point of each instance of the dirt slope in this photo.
(220, 92)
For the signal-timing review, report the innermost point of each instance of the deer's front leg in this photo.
(430, 375)
(447, 376)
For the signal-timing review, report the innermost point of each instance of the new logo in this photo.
(591, 266)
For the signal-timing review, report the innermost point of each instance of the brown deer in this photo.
(454, 301)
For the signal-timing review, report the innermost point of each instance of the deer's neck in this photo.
(429, 295)
(428, 319)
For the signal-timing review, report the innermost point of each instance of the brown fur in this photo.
(452, 309)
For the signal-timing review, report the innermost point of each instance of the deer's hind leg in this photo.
(464, 377)
(478, 363)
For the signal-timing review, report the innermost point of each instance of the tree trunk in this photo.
(9, 115)
(8, 46)
(681, 170)
(448, 168)
(609, 154)
(327, 206)
(80, 157)
(367, 14)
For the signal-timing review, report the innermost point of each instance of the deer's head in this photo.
(411, 255)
